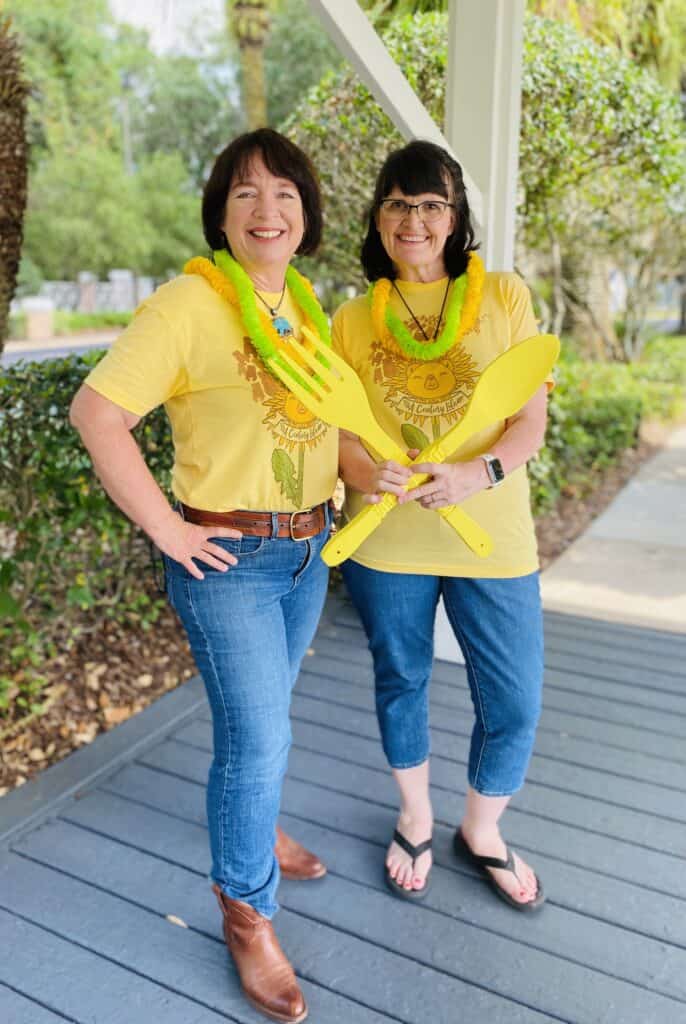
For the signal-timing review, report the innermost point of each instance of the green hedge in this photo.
(69, 559)
(65, 550)
(595, 413)
(71, 323)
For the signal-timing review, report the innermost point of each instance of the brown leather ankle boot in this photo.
(295, 862)
(267, 978)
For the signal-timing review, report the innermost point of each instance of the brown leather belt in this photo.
(296, 525)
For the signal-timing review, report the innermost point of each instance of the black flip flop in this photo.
(463, 851)
(414, 851)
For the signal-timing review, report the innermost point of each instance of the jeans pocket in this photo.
(241, 547)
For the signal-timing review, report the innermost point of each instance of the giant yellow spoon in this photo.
(330, 388)
(503, 388)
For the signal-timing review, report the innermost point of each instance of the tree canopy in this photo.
(122, 138)
(602, 143)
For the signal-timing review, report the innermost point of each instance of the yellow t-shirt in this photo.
(416, 402)
(241, 440)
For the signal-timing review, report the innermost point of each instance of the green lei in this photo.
(461, 315)
(254, 321)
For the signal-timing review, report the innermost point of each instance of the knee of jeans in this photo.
(522, 718)
(263, 753)
(393, 680)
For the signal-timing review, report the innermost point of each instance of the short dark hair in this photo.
(283, 159)
(418, 167)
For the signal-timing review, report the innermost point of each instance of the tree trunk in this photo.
(681, 329)
(249, 22)
(559, 302)
(13, 168)
(587, 290)
(254, 90)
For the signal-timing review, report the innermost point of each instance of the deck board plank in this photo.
(563, 749)
(599, 813)
(83, 985)
(599, 698)
(454, 946)
(456, 892)
(603, 897)
(312, 730)
(84, 894)
(615, 674)
(194, 962)
(16, 1008)
(597, 851)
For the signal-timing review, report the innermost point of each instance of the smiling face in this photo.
(264, 223)
(416, 248)
(430, 380)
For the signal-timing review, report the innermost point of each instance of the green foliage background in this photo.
(93, 205)
(65, 549)
(603, 147)
(69, 559)
(602, 170)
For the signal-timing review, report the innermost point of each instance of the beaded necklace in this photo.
(462, 310)
(410, 311)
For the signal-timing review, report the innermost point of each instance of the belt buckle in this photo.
(298, 540)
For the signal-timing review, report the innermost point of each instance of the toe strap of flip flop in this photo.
(495, 862)
(408, 847)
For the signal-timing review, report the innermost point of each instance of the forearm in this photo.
(524, 434)
(355, 464)
(453, 483)
(121, 469)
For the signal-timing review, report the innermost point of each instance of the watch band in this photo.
(494, 468)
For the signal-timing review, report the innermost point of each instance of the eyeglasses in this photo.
(428, 211)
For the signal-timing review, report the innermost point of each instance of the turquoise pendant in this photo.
(282, 326)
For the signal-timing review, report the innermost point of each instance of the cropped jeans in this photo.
(249, 628)
(498, 625)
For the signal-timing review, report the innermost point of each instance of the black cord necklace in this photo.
(440, 315)
(272, 311)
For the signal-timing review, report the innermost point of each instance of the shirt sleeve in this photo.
(145, 365)
(523, 324)
(349, 326)
(337, 334)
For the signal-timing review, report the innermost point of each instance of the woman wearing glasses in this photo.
(432, 321)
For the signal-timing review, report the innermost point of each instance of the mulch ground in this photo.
(115, 672)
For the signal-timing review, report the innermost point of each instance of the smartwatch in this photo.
(496, 473)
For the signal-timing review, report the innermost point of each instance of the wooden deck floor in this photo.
(85, 894)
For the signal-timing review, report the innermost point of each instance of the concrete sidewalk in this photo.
(630, 565)
(103, 337)
(57, 347)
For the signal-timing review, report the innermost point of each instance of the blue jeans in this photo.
(249, 629)
(498, 625)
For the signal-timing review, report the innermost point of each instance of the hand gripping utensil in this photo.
(503, 388)
(331, 389)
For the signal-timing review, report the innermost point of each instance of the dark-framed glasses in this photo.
(427, 211)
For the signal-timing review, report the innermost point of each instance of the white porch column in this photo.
(353, 34)
(483, 104)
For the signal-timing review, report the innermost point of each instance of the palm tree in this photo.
(13, 167)
(650, 32)
(380, 12)
(249, 22)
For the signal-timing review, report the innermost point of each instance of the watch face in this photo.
(495, 471)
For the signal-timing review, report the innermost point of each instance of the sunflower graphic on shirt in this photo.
(429, 394)
(294, 428)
